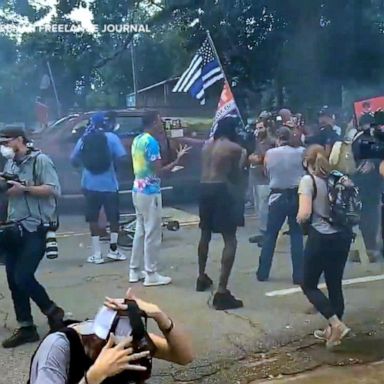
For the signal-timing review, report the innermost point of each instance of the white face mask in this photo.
(7, 152)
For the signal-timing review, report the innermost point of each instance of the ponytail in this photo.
(321, 168)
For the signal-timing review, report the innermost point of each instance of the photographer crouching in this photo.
(31, 184)
(113, 348)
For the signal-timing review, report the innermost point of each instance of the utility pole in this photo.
(54, 90)
(134, 70)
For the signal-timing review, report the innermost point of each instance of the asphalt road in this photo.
(269, 337)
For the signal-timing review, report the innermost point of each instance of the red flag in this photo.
(226, 106)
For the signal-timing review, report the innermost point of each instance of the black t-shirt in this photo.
(325, 136)
(370, 183)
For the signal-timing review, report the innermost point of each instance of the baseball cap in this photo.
(11, 132)
(326, 111)
(98, 119)
(102, 324)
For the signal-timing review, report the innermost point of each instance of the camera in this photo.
(141, 342)
(5, 178)
(371, 143)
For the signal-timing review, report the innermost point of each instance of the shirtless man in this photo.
(221, 207)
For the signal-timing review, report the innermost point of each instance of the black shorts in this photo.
(94, 201)
(220, 210)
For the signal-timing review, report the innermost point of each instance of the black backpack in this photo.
(79, 362)
(344, 200)
(95, 153)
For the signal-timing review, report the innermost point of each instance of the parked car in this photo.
(59, 139)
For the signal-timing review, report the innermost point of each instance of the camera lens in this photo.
(51, 249)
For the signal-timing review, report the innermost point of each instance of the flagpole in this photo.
(134, 71)
(54, 90)
(222, 70)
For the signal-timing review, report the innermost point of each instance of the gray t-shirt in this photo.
(320, 206)
(31, 210)
(284, 166)
(51, 362)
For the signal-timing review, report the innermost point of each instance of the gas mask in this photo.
(7, 152)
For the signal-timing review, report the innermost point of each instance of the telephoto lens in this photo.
(51, 249)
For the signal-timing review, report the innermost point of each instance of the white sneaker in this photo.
(116, 255)
(135, 277)
(323, 335)
(96, 259)
(153, 279)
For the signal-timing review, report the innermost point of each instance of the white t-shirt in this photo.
(320, 205)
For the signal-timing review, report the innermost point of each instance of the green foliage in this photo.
(302, 52)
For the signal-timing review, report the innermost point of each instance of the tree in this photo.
(304, 53)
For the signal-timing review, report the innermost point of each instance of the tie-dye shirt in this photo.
(145, 150)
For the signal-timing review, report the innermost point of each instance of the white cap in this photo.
(102, 324)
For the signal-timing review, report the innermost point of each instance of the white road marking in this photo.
(70, 234)
(358, 280)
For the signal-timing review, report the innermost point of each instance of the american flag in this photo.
(203, 72)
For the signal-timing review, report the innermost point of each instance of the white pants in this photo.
(147, 240)
(263, 197)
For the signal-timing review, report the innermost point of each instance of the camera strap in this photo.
(134, 314)
(56, 223)
(138, 328)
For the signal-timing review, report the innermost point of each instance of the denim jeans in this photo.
(23, 254)
(282, 205)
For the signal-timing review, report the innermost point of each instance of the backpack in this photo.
(95, 153)
(79, 362)
(344, 200)
(342, 157)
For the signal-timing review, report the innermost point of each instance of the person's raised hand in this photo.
(115, 358)
(115, 304)
(182, 151)
(152, 310)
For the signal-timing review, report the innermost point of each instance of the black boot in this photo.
(223, 301)
(257, 239)
(21, 336)
(56, 319)
(203, 283)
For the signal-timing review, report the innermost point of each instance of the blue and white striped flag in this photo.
(203, 72)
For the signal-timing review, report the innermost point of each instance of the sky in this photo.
(82, 15)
